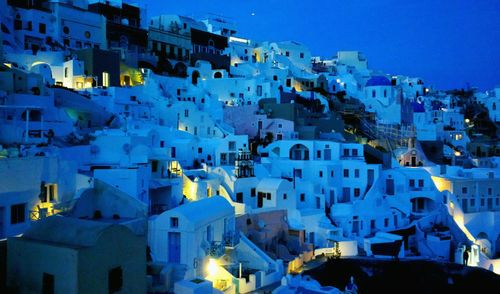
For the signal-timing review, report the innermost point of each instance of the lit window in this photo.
(105, 79)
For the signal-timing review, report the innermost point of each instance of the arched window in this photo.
(218, 75)
(211, 46)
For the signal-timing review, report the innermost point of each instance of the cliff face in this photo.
(386, 276)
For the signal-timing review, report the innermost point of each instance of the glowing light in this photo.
(441, 183)
(458, 153)
(338, 81)
(467, 120)
(9, 65)
(212, 267)
(37, 63)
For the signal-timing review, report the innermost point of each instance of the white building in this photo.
(190, 233)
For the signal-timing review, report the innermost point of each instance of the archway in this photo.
(299, 152)
(164, 66)
(145, 64)
(218, 75)
(180, 70)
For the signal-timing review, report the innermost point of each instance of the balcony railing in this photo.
(216, 249)
(349, 157)
(231, 239)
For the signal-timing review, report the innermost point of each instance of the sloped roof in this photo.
(67, 231)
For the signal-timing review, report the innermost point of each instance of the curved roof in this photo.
(269, 184)
(67, 231)
(205, 210)
(378, 81)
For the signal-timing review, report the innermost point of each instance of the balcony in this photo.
(216, 249)
(349, 157)
(231, 239)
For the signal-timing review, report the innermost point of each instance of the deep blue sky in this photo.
(448, 43)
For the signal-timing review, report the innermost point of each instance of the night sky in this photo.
(448, 43)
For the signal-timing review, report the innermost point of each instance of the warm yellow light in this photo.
(458, 153)
(212, 267)
(9, 65)
(37, 63)
(467, 120)
(441, 183)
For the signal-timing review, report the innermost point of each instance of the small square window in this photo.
(174, 222)
(17, 213)
(42, 28)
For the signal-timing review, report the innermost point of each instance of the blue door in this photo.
(174, 247)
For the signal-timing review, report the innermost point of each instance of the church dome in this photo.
(378, 81)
